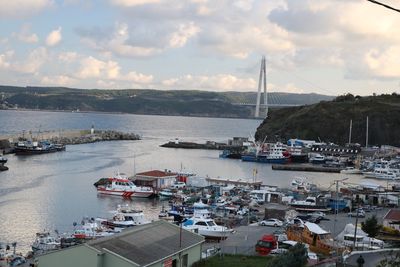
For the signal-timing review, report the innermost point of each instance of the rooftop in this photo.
(314, 228)
(393, 215)
(157, 174)
(149, 243)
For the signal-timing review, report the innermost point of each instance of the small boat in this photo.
(122, 186)
(351, 170)
(45, 242)
(92, 229)
(125, 217)
(3, 160)
(317, 159)
(9, 257)
(166, 193)
(207, 228)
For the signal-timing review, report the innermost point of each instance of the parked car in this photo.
(317, 214)
(179, 185)
(271, 222)
(360, 213)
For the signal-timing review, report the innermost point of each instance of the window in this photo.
(211, 223)
(201, 223)
(185, 260)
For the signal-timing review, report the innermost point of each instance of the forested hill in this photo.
(330, 120)
(148, 101)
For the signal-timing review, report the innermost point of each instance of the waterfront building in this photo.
(156, 179)
(157, 244)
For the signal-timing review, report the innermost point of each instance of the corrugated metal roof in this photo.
(148, 243)
(393, 214)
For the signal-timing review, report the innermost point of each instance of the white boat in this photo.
(92, 229)
(166, 193)
(317, 159)
(207, 228)
(351, 170)
(125, 217)
(301, 184)
(45, 242)
(122, 186)
(8, 256)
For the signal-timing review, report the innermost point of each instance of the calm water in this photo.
(52, 191)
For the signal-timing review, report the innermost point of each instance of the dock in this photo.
(234, 182)
(305, 168)
(192, 145)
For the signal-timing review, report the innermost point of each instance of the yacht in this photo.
(124, 217)
(207, 228)
(351, 170)
(92, 229)
(166, 193)
(317, 159)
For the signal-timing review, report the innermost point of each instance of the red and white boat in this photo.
(122, 186)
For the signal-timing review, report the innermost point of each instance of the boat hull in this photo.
(251, 158)
(310, 208)
(125, 194)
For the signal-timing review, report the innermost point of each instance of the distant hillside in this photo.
(329, 121)
(149, 101)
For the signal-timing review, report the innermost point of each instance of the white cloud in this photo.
(22, 8)
(26, 36)
(58, 80)
(5, 59)
(133, 3)
(183, 34)
(68, 56)
(384, 64)
(54, 37)
(109, 71)
(219, 82)
(34, 61)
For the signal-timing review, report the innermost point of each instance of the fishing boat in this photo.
(92, 229)
(124, 217)
(309, 204)
(45, 242)
(37, 147)
(319, 240)
(275, 153)
(122, 186)
(166, 193)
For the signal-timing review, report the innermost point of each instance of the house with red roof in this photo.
(156, 179)
(392, 219)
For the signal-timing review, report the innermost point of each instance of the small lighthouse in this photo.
(92, 130)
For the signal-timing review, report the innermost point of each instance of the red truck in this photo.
(266, 244)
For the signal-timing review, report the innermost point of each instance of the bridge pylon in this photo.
(262, 82)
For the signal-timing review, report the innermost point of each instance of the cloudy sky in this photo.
(324, 46)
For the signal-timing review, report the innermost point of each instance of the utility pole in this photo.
(355, 228)
(366, 136)
(336, 210)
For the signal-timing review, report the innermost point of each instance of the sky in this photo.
(322, 46)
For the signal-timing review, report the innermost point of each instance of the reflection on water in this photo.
(51, 191)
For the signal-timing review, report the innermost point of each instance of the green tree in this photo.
(371, 226)
(296, 256)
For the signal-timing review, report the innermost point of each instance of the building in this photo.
(158, 244)
(392, 219)
(156, 179)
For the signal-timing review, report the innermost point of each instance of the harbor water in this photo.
(52, 191)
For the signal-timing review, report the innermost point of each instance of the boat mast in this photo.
(366, 138)
(351, 124)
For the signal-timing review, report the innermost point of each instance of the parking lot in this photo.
(244, 239)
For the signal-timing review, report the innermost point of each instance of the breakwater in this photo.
(66, 138)
(191, 145)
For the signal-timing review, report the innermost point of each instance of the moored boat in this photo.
(207, 228)
(124, 217)
(122, 186)
(45, 242)
(37, 147)
(309, 204)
